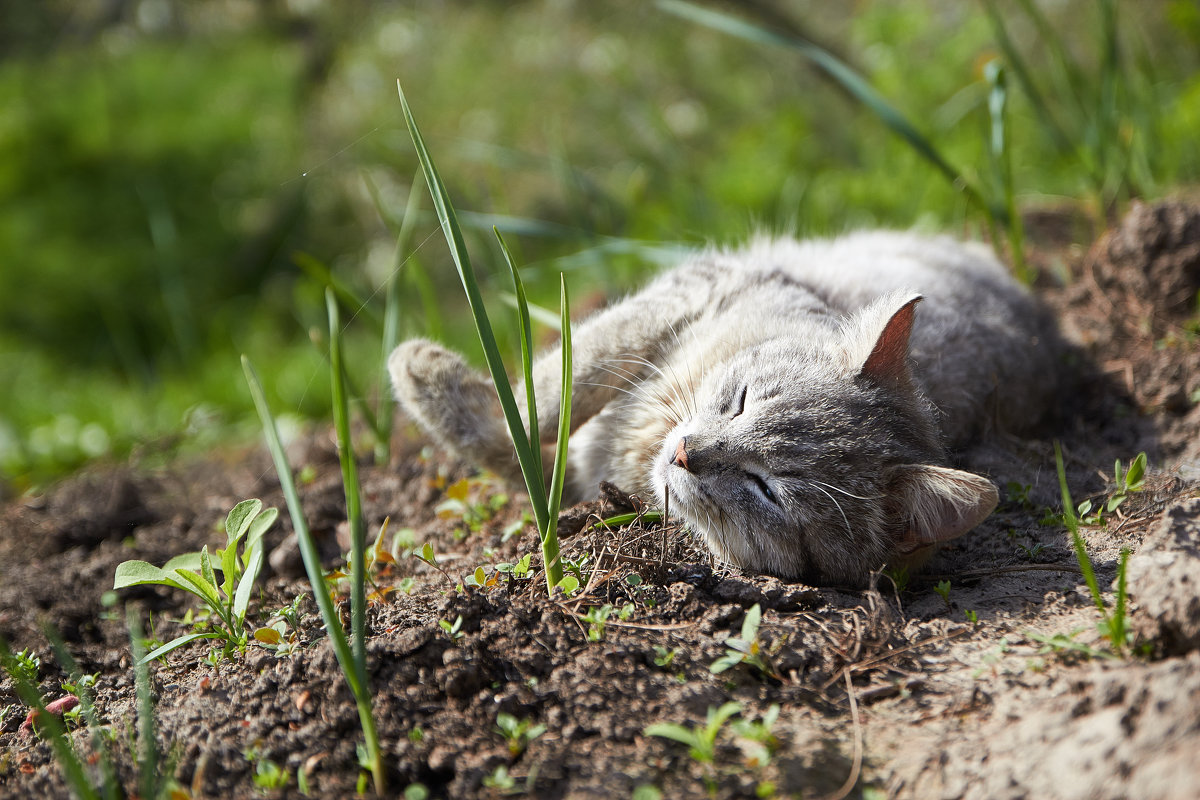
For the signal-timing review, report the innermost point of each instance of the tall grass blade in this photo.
(850, 81)
(1025, 78)
(350, 483)
(550, 535)
(391, 320)
(1117, 623)
(1072, 522)
(312, 566)
(999, 147)
(111, 789)
(148, 757)
(534, 481)
(526, 333)
(51, 727)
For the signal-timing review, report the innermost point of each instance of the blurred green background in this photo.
(175, 174)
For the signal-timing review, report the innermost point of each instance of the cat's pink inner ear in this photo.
(938, 504)
(889, 357)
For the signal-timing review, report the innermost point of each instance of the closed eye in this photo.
(763, 487)
(740, 405)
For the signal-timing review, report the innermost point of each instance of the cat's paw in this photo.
(423, 372)
(453, 402)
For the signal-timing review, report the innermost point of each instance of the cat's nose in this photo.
(680, 459)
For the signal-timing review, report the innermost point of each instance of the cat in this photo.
(794, 401)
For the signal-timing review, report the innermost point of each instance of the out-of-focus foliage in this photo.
(162, 161)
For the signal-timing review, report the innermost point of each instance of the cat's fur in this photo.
(795, 399)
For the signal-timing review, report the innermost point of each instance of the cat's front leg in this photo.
(455, 404)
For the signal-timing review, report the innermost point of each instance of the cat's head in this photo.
(818, 462)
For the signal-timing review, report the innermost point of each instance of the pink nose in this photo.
(680, 459)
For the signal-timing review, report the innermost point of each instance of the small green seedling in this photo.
(25, 665)
(1113, 625)
(1018, 494)
(501, 780)
(1127, 481)
(519, 570)
(899, 575)
(282, 631)
(452, 629)
(745, 649)
(972, 616)
(518, 733)
(663, 657)
(473, 512)
(227, 600)
(268, 775)
(701, 741)
(943, 590)
(597, 619)
(756, 739)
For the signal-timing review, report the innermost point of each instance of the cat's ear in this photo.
(879, 344)
(937, 504)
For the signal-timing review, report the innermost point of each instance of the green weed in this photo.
(517, 733)
(352, 662)
(526, 442)
(746, 649)
(226, 600)
(1114, 624)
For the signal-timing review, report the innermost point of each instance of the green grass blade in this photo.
(111, 790)
(358, 530)
(1072, 522)
(1116, 625)
(312, 566)
(391, 318)
(458, 250)
(1025, 78)
(175, 644)
(522, 305)
(550, 533)
(849, 80)
(543, 315)
(148, 757)
(999, 147)
(51, 727)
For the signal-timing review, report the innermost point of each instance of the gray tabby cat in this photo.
(794, 399)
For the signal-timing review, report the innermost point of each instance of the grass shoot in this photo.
(526, 441)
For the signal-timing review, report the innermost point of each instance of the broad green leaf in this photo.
(427, 553)
(262, 523)
(229, 568)
(207, 591)
(569, 585)
(206, 569)
(751, 622)
(717, 717)
(241, 600)
(140, 573)
(239, 519)
(183, 561)
(268, 636)
(724, 663)
(175, 644)
(1136, 474)
(670, 730)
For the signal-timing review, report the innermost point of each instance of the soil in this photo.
(942, 686)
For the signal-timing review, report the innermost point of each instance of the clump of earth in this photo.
(984, 676)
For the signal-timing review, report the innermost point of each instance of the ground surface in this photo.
(885, 692)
